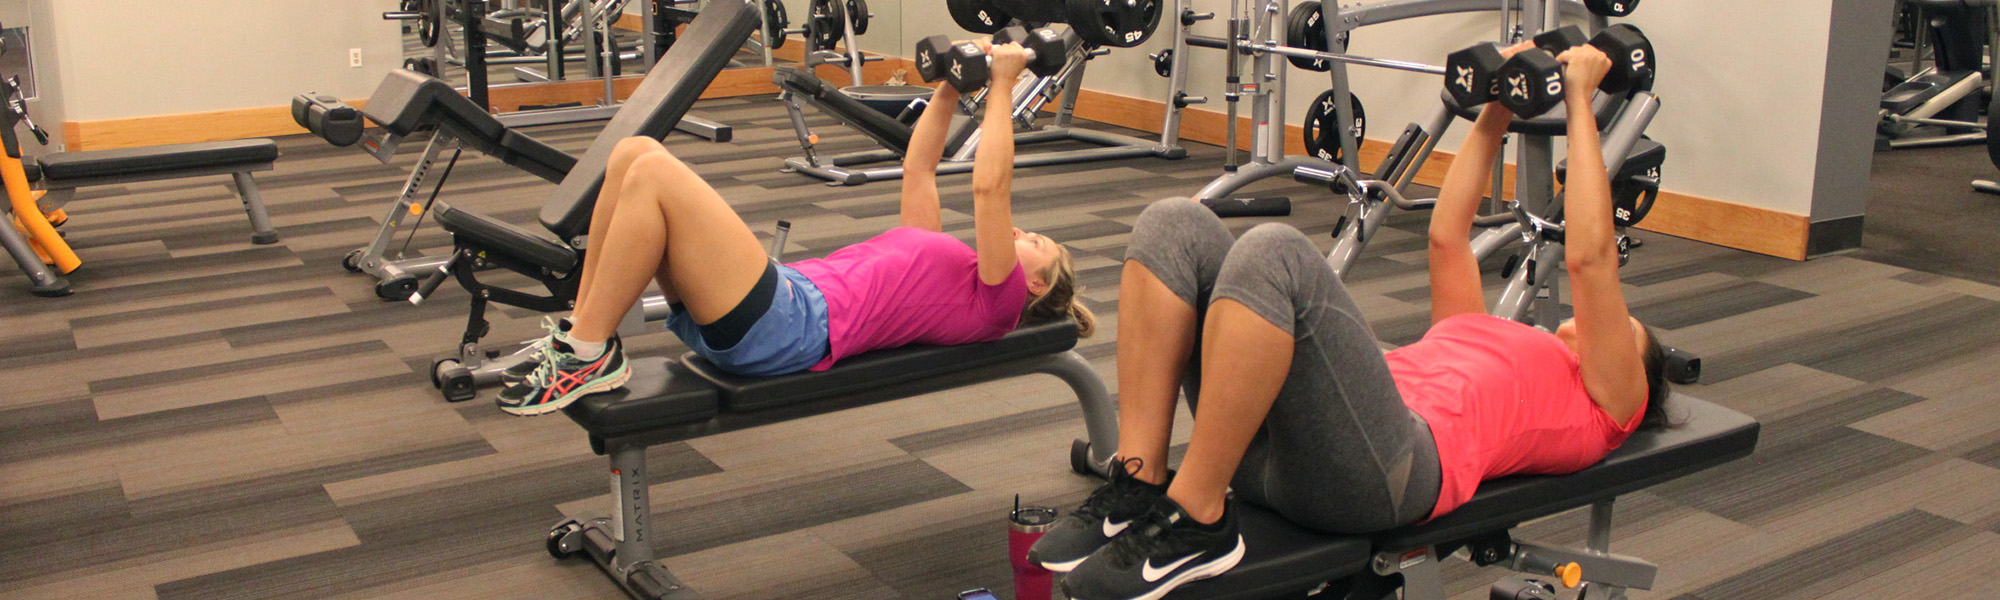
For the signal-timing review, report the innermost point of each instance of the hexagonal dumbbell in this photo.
(967, 65)
(931, 57)
(1469, 74)
(1531, 82)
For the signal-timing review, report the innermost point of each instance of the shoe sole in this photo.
(603, 384)
(1204, 571)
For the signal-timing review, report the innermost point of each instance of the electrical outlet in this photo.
(354, 57)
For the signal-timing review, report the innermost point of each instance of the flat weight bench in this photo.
(63, 173)
(1284, 560)
(670, 400)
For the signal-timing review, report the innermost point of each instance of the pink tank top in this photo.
(911, 286)
(1501, 398)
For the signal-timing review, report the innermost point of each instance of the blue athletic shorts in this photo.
(790, 337)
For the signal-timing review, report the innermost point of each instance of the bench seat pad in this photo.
(501, 238)
(882, 370)
(156, 159)
(660, 394)
(1295, 559)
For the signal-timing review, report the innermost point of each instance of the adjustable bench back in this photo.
(655, 108)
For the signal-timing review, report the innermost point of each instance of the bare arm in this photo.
(920, 161)
(1614, 373)
(1454, 272)
(993, 171)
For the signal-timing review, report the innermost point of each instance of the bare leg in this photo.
(1155, 338)
(628, 150)
(668, 220)
(1245, 360)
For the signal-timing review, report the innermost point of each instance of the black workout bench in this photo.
(670, 400)
(1285, 560)
(62, 173)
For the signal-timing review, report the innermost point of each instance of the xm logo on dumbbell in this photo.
(1464, 80)
(1517, 86)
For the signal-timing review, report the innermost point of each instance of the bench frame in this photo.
(622, 544)
(58, 193)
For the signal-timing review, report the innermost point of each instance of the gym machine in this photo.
(1624, 109)
(515, 29)
(1940, 105)
(1315, 36)
(1088, 35)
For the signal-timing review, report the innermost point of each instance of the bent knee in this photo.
(1171, 214)
(1275, 241)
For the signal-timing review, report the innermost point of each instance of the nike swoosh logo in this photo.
(1154, 574)
(1111, 530)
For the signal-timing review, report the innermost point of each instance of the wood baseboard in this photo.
(277, 120)
(1710, 220)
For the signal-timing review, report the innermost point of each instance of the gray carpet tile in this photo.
(210, 419)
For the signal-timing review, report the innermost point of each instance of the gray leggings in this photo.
(1339, 452)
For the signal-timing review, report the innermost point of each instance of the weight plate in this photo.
(1163, 62)
(825, 30)
(977, 16)
(427, 27)
(1117, 23)
(1305, 28)
(1993, 132)
(1322, 140)
(776, 21)
(858, 10)
(1630, 201)
(1612, 8)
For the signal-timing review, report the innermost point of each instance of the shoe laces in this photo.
(1153, 534)
(1123, 487)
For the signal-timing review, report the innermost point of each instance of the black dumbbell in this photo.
(1531, 82)
(966, 65)
(1468, 74)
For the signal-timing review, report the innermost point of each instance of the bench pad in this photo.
(156, 159)
(881, 371)
(661, 394)
(1293, 558)
(504, 239)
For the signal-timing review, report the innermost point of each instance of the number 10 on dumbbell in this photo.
(965, 65)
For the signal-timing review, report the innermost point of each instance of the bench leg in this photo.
(630, 559)
(42, 280)
(253, 203)
(1100, 411)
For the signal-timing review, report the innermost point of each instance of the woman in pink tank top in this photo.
(656, 221)
(1297, 409)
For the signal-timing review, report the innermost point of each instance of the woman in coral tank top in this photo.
(1297, 409)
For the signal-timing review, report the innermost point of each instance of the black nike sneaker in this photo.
(1165, 549)
(1105, 514)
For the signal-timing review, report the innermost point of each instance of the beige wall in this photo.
(1740, 85)
(123, 59)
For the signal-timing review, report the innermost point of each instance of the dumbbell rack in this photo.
(962, 142)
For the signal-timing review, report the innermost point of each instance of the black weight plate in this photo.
(977, 16)
(1993, 132)
(1163, 62)
(1116, 23)
(1305, 28)
(858, 10)
(1612, 8)
(825, 29)
(1321, 139)
(427, 27)
(776, 21)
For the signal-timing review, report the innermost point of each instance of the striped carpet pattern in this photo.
(208, 419)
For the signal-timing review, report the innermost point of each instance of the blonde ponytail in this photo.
(1063, 298)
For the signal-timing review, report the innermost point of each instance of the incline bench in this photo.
(1284, 560)
(62, 173)
(670, 400)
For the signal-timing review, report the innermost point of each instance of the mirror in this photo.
(518, 52)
